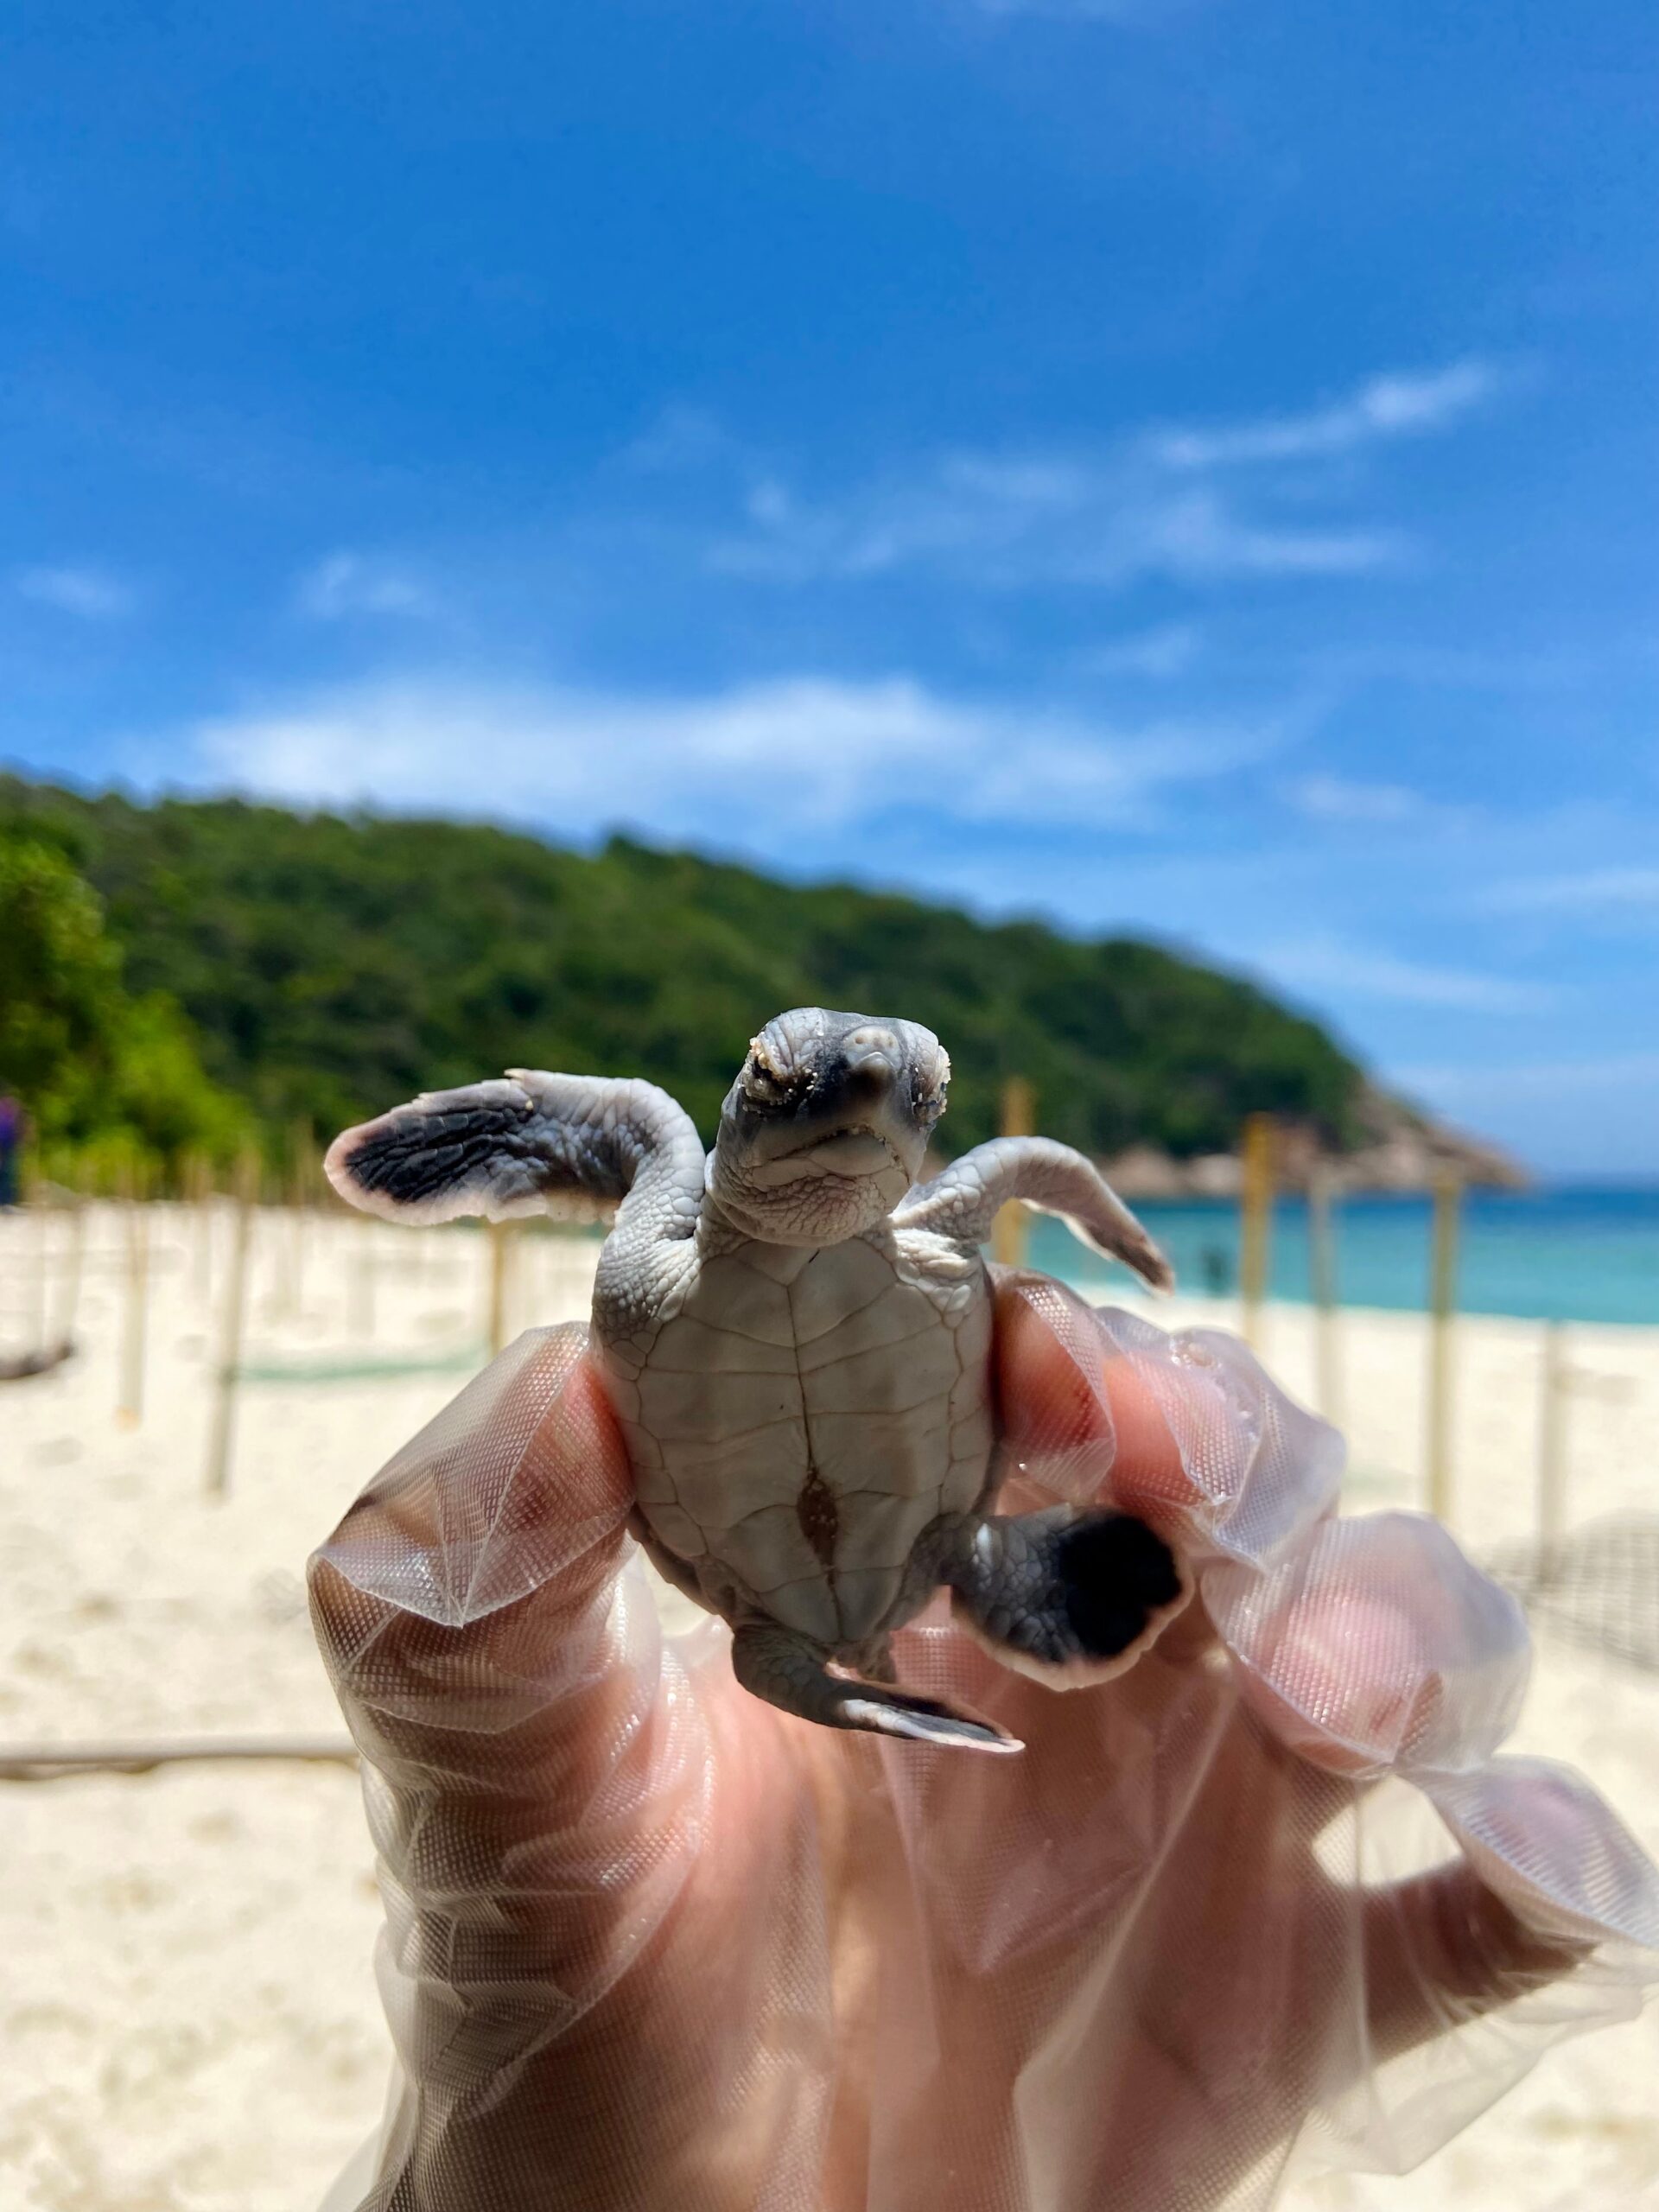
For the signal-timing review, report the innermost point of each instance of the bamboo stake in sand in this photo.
(69, 1279)
(500, 1240)
(40, 1272)
(129, 1408)
(1553, 1384)
(1008, 1230)
(47, 1762)
(280, 1300)
(1256, 1221)
(230, 1340)
(362, 1232)
(199, 1192)
(1322, 1272)
(1442, 1301)
(296, 1226)
(301, 1167)
(301, 1189)
(196, 1177)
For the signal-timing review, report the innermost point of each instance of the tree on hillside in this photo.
(91, 1064)
(331, 966)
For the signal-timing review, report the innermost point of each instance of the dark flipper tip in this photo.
(1114, 1575)
(920, 1721)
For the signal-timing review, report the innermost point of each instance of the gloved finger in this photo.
(1543, 1924)
(1068, 1434)
(472, 1578)
(1184, 1429)
(600, 1858)
(531, 1783)
(1375, 1646)
(1444, 1948)
(1365, 1644)
(1539, 1836)
(1085, 1421)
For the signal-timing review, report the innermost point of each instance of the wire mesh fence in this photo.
(1598, 1585)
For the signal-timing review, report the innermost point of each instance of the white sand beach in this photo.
(186, 2009)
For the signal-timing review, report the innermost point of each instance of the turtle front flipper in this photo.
(532, 1142)
(964, 1201)
(1070, 1596)
(773, 1663)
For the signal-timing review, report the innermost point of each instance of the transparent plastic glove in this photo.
(653, 1944)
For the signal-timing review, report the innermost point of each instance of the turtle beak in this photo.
(853, 1124)
(848, 1154)
(870, 1062)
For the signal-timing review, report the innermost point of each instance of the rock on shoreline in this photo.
(1401, 1150)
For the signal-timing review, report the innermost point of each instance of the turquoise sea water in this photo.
(1570, 1253)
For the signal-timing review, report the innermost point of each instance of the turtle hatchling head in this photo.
(825, 1129)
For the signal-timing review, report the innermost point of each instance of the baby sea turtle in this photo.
(797, 1339)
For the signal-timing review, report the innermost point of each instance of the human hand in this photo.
(653, 1943)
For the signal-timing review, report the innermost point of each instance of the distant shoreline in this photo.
(1544, 1189)
(1185, 1304)
(1581, 1254)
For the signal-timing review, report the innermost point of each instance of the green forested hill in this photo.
(332, 967)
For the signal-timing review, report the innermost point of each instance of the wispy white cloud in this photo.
(92, 593)
(1608, 891)
(1437, 668)
(1169, 650)
(1016, 520)
(344, 585)
(1391, 406)
(1331, 968)
(1559, 1077)
(1099, 515)
(678, 438)
(758, 760)
(1336, 798)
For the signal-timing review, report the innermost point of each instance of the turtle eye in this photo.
(765, 1083)
(932, 1093)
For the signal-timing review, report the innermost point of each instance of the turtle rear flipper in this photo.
(772, 1663)
(1070, 1596)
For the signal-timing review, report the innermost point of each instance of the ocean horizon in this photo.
(1565, 1250)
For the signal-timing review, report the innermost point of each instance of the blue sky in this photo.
(1189, 467)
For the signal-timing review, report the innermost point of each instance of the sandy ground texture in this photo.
(188, 2017)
